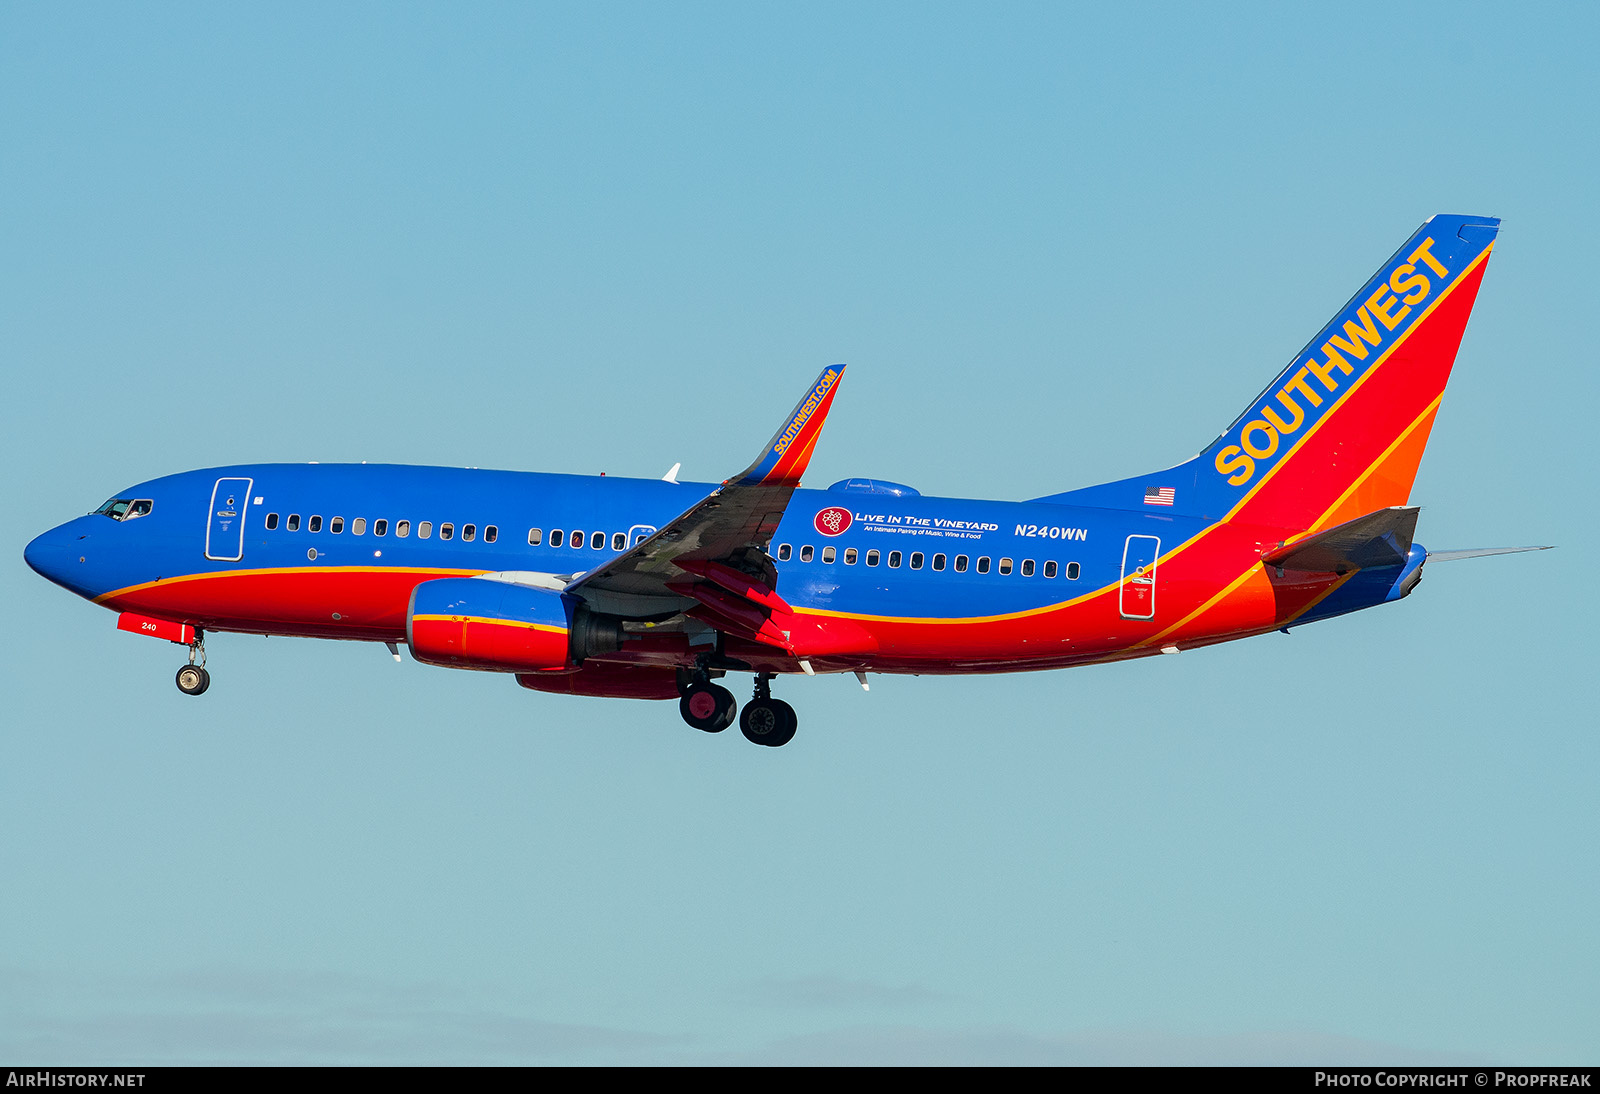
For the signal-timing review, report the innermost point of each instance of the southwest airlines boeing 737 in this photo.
(654, 589)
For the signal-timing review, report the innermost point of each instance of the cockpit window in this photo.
(125, 508)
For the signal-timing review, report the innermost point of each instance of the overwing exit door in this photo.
(230, 501)
(1137, 599)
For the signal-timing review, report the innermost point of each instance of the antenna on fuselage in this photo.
(672, 475)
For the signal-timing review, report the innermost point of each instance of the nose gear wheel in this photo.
(193, 680)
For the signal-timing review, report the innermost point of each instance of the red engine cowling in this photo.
(495, 626)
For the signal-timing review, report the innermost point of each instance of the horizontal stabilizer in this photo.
(1478, 552)
(1382, 538)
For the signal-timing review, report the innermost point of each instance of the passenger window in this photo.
(402, 528)
(469, 532)
(597, 541)
(849, 556)
(916, 560)
(557, 537)
(1027, 567)
(784, 551)
(314, 524)
(827, 554)
(575, 540)
(640, 538)
(490, 534)
(619, 541)
(425, 529)
(336, 525)
(380, 527)
(535, 536)
(805, 553)
(961, 564)
(358, 526)
(1050, 568)
(447, 531)
(1005, 565)
(894, 560)
(294, 522)
(872, 558)
(983, 564)
(1072, 571)
(272, 521)
(938, 562)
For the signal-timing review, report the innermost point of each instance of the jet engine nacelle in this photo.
(496, 626)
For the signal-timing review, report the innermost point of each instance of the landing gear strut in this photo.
(765, 720)
(193, 679)
(705, 705)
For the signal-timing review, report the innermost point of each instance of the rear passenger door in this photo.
(1137, 597)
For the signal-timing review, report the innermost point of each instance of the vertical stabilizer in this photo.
(1341, 430)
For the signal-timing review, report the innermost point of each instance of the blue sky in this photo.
(1056, 245)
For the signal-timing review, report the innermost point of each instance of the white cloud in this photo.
(911, 1045)
(220, 1016)
(832, 992)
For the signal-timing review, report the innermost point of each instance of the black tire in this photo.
(193, 680)
(791, 722)
(707, 707)
(728, 704)
(769, 722)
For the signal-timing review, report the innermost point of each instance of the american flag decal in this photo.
(1159, 495)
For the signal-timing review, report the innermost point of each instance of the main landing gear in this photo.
(711, 707)
(193, 679)
(707, 706)
(765, 720)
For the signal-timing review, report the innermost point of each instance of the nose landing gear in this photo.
(193, 679)
(765, 720)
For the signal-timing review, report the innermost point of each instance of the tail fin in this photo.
(1339, 433)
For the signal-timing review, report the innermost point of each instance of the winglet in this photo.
(789, 452)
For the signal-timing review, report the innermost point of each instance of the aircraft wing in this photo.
(714, 553)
